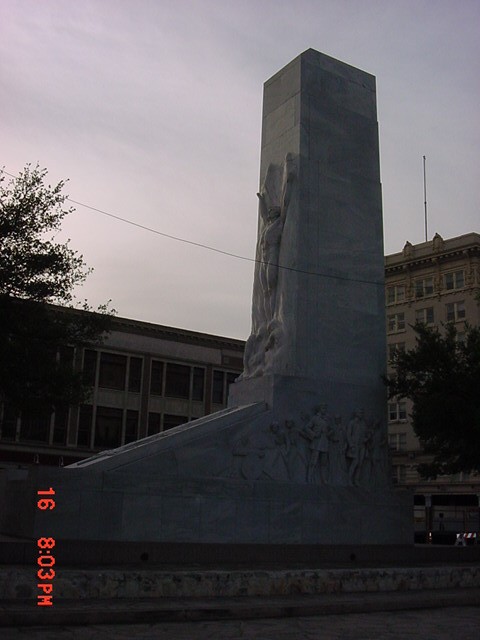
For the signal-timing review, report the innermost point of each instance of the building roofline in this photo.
(174, 333)
(437, 248)
(129, 325)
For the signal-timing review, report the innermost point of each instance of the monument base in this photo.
(208, 481)
(214, 511)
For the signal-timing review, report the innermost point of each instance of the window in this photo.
(454, 280)
(135, 375)
(395, 347)
(424, 287)
(455, 311)
(173, 421)
(221, 382)
(35, 426)
(395, 293)
(424, 316)
(131, 426)
(153, 423)
(85, 425)
(108, 427)
(60, 425)
(198, 384)
(397, 441)
(156, 378)
(217, 387)
(89, 367)
(113, 370)
(395, 322)
(8, 424)
(399, 473)
(397, 411)
(177, 381)
(66, 355)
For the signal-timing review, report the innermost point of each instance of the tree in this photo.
(36, 275)
(441, 376)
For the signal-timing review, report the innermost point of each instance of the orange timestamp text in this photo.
(46, 559)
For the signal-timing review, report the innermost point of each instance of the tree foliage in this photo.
(32, 265)
(441, 376)
(36, 275)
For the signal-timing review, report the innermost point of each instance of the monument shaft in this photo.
(327, 328)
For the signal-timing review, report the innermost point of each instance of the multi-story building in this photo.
(145, 378)
(435, 282)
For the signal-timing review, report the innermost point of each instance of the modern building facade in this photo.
(145, 378)
(435, 282)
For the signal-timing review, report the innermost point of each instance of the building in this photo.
(434, 282)
(146, 378)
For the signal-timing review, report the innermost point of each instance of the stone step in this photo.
(20, 582)
(129, 611)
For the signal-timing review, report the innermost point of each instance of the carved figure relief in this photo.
(273, 218)
(248, 460)
(296, 457)
(321, 451)
(338, 451)
(275, 466)
(274, 199)
(356, 445)
(318, 432)
(262, 454)
(379, 455)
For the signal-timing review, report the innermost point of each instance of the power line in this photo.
(215, 249)
(160, 233)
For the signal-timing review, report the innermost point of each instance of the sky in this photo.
(152, 110)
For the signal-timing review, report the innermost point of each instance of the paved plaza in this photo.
(428, 624)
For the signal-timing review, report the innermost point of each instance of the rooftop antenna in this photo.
(425, 196)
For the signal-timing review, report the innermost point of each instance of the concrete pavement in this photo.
(450, 623)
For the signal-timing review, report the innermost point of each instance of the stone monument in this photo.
(300, 454)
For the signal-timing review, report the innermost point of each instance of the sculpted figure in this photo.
(273, 218)
(379, 454)
(356, 439)
(253, 357)
(337, 453)
(366, 472)
(248, 459)
(273, 344)
(318, 431)
(262, 454)
(266, 339)
(276, 447)
(296, 461)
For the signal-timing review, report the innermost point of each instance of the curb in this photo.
(134, 611)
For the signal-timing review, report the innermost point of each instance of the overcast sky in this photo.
(152, 109)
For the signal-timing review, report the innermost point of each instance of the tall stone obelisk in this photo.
(318, 318)
(300, 455)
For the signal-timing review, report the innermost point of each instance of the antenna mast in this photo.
(425, 196)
